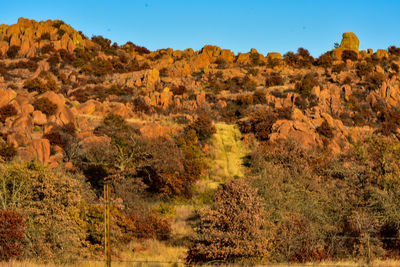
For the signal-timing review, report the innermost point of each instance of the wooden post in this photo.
(107, 245)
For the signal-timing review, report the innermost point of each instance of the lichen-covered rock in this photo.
(274, 55)
(211, 51)
(243, 59)
(226, 55)
(380, 54)
(151, 77)
(349, 41)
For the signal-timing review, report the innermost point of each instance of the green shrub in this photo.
(48, 201)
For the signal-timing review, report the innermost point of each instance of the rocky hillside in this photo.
(312, 143)
(52, 76)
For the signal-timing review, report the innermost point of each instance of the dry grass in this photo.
(179, 225)
(156, 249)
(154, 252)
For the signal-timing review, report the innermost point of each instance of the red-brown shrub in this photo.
(103, 42)
(35, 85)
(149, 224)
(273, 80)
(261, 122)
(233, 230)
(139, 49)
(45, 105)
(375, 81)
(296, 241)
(203, 126)
(349, 54)
(12, 52)
(7, 111)
(325, 60)
(309, 81)
(12, 234)
(7, 151)
(31, 65)
(179, 90)
(45, 36)
(325, 130)
(47, 49)
(393, 50)
(391, 122)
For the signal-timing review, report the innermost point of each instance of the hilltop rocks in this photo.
(226, 56)
(349, 41)
(153, 87)
(380, 54)
(30, 35)
(243, 59)
(274, 55)
(211, 52)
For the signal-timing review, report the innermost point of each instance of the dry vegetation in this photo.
(212, 157)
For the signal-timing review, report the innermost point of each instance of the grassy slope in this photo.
(227, 153)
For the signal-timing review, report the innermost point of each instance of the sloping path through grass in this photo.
(228, 152)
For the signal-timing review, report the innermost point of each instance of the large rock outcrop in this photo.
(349, 41)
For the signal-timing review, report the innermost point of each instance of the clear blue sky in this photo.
(267, 25)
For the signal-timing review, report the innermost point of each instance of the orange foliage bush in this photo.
(12, 234)
(149, 224)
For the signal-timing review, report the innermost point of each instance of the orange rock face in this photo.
(39, 149)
